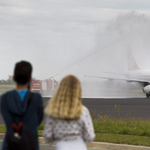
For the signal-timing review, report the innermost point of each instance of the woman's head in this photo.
(66, 102)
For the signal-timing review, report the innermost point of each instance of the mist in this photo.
(109, 55)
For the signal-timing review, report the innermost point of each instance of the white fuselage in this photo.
(139, 74)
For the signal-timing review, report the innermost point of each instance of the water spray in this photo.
(86, 57)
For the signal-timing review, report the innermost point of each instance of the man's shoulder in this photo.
(37, 95)
(11, 92)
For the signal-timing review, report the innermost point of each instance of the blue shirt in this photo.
(22, 93)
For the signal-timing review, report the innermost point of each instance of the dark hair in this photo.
(22, 72)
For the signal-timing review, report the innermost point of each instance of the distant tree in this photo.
(2, 82)
(10, 77)
(10, 80)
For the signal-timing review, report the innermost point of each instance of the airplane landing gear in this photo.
(147, 95)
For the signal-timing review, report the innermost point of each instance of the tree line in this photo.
(9, 81)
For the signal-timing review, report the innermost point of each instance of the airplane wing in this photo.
(141, 82)
(113, 73)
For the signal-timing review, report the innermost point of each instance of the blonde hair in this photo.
(66, 102)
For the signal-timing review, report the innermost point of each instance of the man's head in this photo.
(22, 72)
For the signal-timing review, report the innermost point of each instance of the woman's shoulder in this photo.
(85, 109)
(85, 112)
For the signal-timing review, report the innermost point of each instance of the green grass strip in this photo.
(123, 139)
(2, 129)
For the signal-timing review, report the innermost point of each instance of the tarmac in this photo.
(133, 107)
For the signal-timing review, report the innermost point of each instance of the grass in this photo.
(40, 129)
(41, 126)
(2, 129)
(117, 125)
(110, 138)
(123, 139)
(128, 130)
(127, 127)
(5, 88)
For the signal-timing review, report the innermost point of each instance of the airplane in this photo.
(135, 74)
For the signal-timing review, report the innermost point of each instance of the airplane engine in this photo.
(146, 89)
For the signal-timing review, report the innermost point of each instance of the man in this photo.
(14, 103)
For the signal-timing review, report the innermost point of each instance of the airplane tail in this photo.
(132, 65)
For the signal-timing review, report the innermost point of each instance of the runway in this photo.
(134, 107)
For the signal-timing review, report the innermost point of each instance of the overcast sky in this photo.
(53, 34)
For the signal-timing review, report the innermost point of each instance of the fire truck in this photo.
(44, 87)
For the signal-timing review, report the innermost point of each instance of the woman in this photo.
(68, 122)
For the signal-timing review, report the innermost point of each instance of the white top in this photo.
(60, 129)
